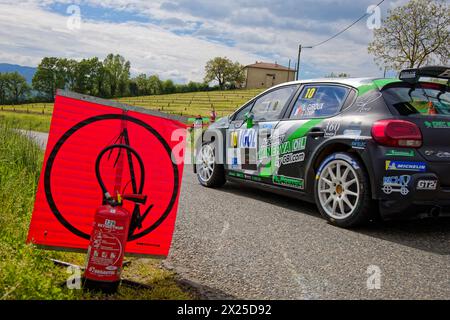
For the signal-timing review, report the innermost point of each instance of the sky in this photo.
(175, 38)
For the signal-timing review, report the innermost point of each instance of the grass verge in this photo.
(33, 122)
(25, 271)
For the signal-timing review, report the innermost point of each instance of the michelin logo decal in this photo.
(406, 166)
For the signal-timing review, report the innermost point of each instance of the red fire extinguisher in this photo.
(110, 232)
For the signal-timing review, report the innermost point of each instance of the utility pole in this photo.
(289, 71)
(298, 60)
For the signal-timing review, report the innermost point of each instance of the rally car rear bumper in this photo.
(426, 197)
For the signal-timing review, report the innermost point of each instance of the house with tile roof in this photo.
(266, 75)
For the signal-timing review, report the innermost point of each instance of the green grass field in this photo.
(37, 116)
(27, 272)
(27, 121)
(197, 103)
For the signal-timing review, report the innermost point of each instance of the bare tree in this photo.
(413, 35)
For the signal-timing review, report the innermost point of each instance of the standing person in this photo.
(213, 115)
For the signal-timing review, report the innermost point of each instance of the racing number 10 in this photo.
(310, 93)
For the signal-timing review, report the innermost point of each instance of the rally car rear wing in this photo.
(414, 75)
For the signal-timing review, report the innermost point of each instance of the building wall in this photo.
(265, 78)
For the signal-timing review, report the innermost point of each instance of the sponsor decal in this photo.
(291, 158)
(408, 74)
(439, 154)
(299, 133)
(244, 176)
(235, 163)
(406, 166)
(331, 128)
(266, 126)
(279, 149)
(289, 182)
(437, 124)
(236, 174)
(396, 184)
(364, 102)
(336, 157)
(401, 153)
(311, 109)
(427, 185)
(359, 144)
(256, 178)
(445, 74)
(248, 138)
(234, 156)
(443, 154)
(352, 132)
(234, 139)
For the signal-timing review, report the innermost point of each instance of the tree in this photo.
(338, 75)
(168, 87)
(18, 87)
(142, 84)
(224, 71)
(117, 74)
(413, 35)
(98, 76)
(237, 75)
(4, 87)
(47, 78)
(66, 70)
(86, 77)
(155, 85)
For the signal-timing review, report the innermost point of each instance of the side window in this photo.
(270, 106)
(319, 101)
(240, 115)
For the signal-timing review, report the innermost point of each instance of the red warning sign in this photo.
(69, 193)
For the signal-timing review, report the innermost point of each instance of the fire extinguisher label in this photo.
(106, 248)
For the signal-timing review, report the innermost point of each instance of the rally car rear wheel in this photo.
(342, 191)
(209, 172)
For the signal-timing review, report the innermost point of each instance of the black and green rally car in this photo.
(358, 148)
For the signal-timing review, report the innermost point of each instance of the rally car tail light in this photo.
(397, 133)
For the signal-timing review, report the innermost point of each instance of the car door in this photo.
(245, 138)
(305, 125)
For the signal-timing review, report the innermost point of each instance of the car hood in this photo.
(221, 123)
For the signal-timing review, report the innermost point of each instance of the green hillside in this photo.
(186, 104)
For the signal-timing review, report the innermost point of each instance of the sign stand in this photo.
(124, 282)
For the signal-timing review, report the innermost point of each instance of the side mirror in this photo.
(249, 120)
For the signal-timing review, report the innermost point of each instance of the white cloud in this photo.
(29, 33)
(257, 30)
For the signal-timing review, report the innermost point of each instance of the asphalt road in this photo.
(239, 242)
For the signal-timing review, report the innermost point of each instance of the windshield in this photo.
(421, 99)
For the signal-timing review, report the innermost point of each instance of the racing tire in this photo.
(210, 174)
(342, 191)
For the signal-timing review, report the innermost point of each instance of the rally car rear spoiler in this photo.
(414, 75)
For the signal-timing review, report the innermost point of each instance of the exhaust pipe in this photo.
(435, 212)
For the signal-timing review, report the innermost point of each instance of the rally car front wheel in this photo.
(342, 191)
(209, 173)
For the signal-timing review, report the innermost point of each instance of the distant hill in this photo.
(27, 72)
